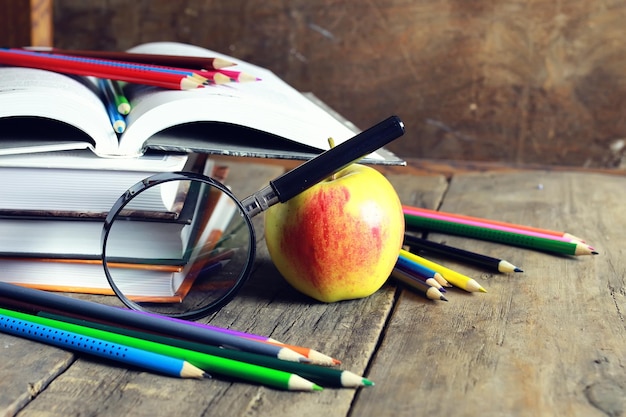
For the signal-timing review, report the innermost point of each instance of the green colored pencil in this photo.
(121, 102)
(322, 375)
(515, 239)
(209, 363)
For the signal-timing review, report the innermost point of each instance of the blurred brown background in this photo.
(511, 81)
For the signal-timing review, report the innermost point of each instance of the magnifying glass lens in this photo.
(179, 246)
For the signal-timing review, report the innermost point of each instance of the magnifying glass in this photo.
(181, 244)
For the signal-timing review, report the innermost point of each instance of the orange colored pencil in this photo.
(315, 357)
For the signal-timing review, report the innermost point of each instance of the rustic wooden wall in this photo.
(516, 81)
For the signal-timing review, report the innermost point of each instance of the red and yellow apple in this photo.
(339, 239)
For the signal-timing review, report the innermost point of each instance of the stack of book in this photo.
(68, 150)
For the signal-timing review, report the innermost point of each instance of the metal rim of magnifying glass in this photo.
(155, 180)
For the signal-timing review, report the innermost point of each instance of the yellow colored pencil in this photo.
(455, 278)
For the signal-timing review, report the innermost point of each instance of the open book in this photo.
(266, 118)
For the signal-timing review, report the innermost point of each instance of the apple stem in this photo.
(331, 143)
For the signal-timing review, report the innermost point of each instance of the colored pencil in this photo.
(47, 301)
(427, 275)
(520, 227)
(417, 284)
(321, 375)
(202, 76)
(117, 120)
(436, 216)
(128, 355)
(314, 356)
(455, 278)
(121, 102)
(118, 72)
(96, 62)
(238, 76)
(511, 238)
(154, 59)
(459, 254)
(206, 362)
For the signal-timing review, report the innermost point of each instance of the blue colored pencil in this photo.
(47, 301)
(117, 120)
(162, 364)
(430, 276)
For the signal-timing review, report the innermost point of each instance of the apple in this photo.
(339, 239)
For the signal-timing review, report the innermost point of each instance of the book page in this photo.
(28, 92)
(269, 105)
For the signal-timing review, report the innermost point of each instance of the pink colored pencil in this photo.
(478, 223)
(486, 222)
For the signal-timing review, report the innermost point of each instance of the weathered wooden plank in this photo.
(26, 368)
(550, 341)
(266, 305)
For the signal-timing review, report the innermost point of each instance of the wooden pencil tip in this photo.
(517, 270)
(595, 252)
(481, 289)
(442, 298)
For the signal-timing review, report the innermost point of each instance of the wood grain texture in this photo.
(550, 341)
(266, 305)
(511, 81)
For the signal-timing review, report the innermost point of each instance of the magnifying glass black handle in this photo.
(322, 166)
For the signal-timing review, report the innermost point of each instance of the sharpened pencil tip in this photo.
(367, 383)
(207, 376)
(317, 358)
(595, 252)
(481, 289)
(442, 298)
(317, 388)
(518, 270)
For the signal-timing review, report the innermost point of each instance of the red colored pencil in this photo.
(155, 59)
(237, 76)
(165, 77)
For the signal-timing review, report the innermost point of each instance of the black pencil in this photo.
(321, 375)
(499, 265)
(47, 301)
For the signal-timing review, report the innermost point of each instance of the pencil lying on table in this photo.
(455, 278)
(48, 301)
(557, 245)
(499, 265)
(321, 375)
(312, 355)
(20, 325)
(417, 284)
(486, 222)
(149, 349)
(421, 272)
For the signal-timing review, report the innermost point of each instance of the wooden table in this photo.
(548, 342)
